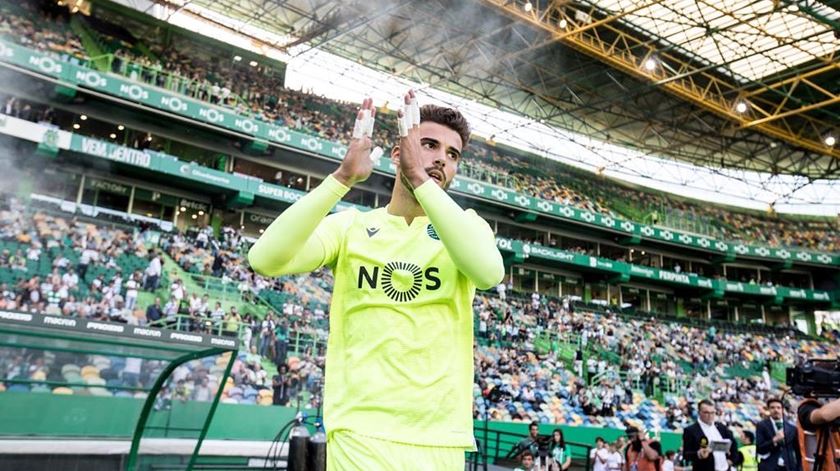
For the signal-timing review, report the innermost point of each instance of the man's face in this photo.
(534, 430)
(776, 411)
(707, 414)
(441, 152)
(527, 461)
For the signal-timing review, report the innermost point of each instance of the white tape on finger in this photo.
(401, 121)
(368, 126)
(414, 109)
(357, 129)
(376, 154)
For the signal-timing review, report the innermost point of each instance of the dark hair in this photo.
(534, 424)
(597, 439)
(670, 453)
(449, 117)
(750, 435)
(562, 437)
(526, 453)
(705, 402)
(775, 399)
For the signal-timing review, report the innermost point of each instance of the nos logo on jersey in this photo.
(401, 281)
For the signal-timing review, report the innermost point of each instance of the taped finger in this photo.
(402, 124)
(414, 109)
(376, 154)
(368, 126)
(358, 129)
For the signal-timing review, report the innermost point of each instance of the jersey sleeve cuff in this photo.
(426, 190)
(335, 187)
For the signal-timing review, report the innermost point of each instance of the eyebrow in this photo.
(435, 141)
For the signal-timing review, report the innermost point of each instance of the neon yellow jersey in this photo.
(399, 357)
(400, 351)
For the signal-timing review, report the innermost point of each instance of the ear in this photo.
(395, 155)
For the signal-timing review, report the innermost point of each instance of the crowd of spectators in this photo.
(59, 266)
(45, 30)
(619, 363)
(187, 67)
(616, 366)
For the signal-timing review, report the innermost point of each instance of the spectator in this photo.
(747, 451)
(154, 311)
(153, 272)
(526, 462)
(598, 455)
(561, 455)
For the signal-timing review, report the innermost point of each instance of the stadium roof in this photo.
(746, 84)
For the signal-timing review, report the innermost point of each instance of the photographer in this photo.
(819, 452)
(642, 453)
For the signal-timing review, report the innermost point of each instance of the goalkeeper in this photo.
(399, 367)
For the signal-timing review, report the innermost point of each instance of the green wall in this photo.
(34, 414)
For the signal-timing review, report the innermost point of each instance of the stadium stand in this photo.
(553, 359)
(549, 359)
(184, 67)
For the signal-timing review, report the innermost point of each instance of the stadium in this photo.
(659, 177)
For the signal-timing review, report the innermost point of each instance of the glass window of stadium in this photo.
(793, 279)
(613, 252)
(750, 313)
(571, 287)
(776, 315)
(519, 233)
(271, 174)
(600, 293)
(575, 245)
(706, 269)
(662, 303)
(695, 308)
(204, 157)
(670, 263)
(549, 284)
(315, 181)
(643, 257)
(361, 197)
(57, 184)
(106, 194)
(742, 274)
(154, 204)
(255, 224)
(191, 214)
(524, 279)
(633, 299)
(232, 219)
(722, 310)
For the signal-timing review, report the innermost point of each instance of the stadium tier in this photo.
(141, 167)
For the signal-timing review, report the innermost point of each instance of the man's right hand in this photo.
(357, 165)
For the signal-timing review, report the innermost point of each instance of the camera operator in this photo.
(642, 453)
(819, 452)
